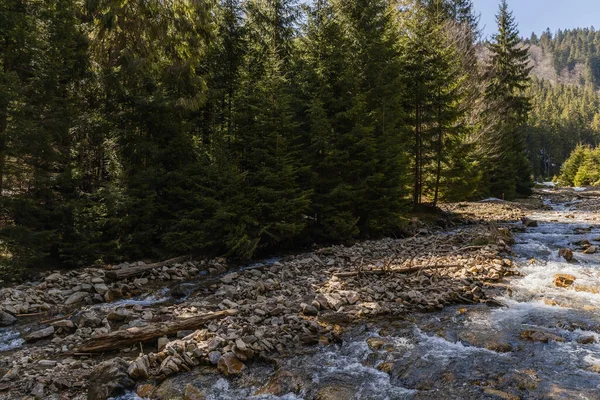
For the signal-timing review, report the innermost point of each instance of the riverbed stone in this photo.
(76, 298)
(7, 319)
(566, 253)
(108, 379)
(564, 280)
(591, 250)
(40, 334)
(230, 365)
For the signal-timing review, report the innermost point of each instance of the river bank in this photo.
(395, 318)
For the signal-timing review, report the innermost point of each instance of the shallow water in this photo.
(463, 352)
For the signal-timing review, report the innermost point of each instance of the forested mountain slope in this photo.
(565, 100)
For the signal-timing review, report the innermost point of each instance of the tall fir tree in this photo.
(507, 167)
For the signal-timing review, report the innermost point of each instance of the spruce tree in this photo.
(508, 170)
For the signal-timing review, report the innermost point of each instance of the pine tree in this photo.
(266, 133)
(508, 170)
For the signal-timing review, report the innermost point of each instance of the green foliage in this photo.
(582, 168)
(508, 172)
(151, 128)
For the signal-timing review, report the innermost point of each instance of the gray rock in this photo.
(6, 319)
(100, 288)
(76, 298)
(109, 379)
(41, 334)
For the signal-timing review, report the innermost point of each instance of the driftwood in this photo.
(410, 270)
(49, 321)
(140, 269)
(127, 337)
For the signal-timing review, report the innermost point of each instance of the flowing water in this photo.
(462, 352)
(472, 352)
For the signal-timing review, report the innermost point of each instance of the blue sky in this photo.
(537, 15)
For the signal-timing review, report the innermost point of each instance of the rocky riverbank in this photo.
(63, 327)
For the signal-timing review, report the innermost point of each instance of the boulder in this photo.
(563, 280)
(539, 336)
(7, 319)
(139, 368)
(566, 253)
(193, 393)
(529, 223)
(109, 379)
(41, 334)
(230, 365)
(591, 250)
(76, 298)
(100, 288)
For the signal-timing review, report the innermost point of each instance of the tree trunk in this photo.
(140, 269)
(438, 171)
(127, 337)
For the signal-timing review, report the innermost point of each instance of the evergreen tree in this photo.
(508, 170)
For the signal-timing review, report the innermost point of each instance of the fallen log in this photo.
(140, 269)
(410, 270)
(127, 337)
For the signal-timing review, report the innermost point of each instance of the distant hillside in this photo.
(568, 56)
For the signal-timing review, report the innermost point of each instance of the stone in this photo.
(230, 365)
(335, 393)
(539, 336)
(145, 391)
(498, 394)
(310, 310)
(76, 298)
(227, 279)
(191, 392)
(7, 319)
(566, 253)
(589, 339)
(65, 324)
(109, 379)
(214, 357)
(38, 390)
(101, 288)
(529, 223)
(591, 250)
(41, 334)
(162, 342)
(564, 280)
(138, 369)
(53, 277)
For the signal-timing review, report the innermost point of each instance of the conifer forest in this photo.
(297, 199)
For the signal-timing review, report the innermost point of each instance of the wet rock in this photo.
(282, 383)
(588, 339)
(566, 253)
(191, 392)
(145, 391)
(539, 336)
(7, 319)
(109, 379)
(498, 394)
(335, 393)
(591, 250)
(529, 223)
(230, 365)
(76, 298)
(65, 324)
(564, 280)
(335, 318)
(41, 334)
